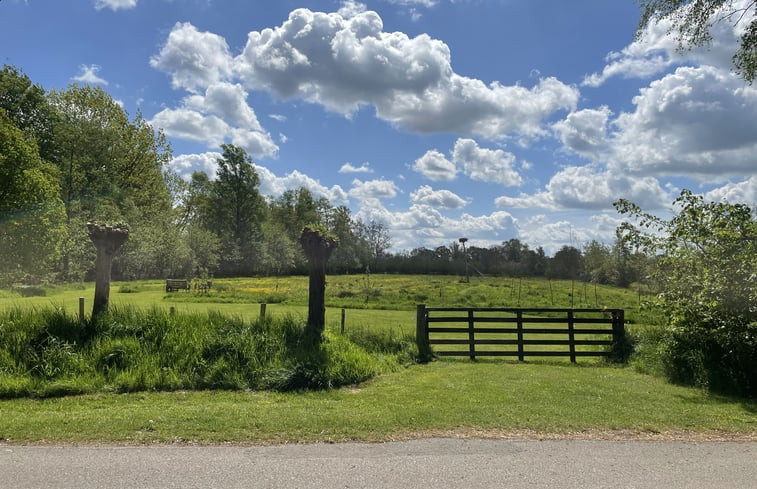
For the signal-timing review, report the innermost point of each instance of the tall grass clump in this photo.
(49, 353)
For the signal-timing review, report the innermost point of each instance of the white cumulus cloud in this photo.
(586, 188)
(194, 59)
(696, 121)
(744, 192)
(435, 166)
(88, 74)
(656, 49)
(373, 189)
(486, 165)
(443, 199)
(584, 132)
(115, 4)
(350, 168)
(344, 61)
(220, 115)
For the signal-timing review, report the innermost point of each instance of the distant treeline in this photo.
(71, 156)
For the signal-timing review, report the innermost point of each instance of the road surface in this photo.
(417, 464)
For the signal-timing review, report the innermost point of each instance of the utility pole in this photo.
(465, 254)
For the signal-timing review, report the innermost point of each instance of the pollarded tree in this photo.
(317, 245)
(706, 268)
(693, 19)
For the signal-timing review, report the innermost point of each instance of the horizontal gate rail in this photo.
(439, 327)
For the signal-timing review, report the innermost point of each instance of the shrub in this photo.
(705, 257)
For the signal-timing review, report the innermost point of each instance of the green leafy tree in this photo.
(112, 170)
(279, 252)
(31, 212)
(566, 264)
(706, 268)
(353, 253)
(597, 263)
(692, 21)
(27, 107)
(376, 235)
(237, 212)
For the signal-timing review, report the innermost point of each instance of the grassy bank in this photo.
(438, 398)
(46, 353)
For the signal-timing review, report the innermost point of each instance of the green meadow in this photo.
(214, 371)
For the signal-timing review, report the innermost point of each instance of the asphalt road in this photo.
(414, 464)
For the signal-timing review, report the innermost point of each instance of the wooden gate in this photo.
(518, 332)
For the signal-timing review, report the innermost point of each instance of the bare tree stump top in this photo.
(106, 237)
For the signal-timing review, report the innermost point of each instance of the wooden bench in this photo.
(177, 284)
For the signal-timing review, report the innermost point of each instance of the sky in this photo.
(485, 119)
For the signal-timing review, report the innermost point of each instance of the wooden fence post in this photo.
(471, 336)
(618, 326)
(81, 309)
(262, 309)
(342, 320)
(421, 333)
(571, 337)
(519, 315)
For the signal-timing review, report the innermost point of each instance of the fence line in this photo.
(519, 328)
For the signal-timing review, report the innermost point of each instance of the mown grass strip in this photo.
(442, 397)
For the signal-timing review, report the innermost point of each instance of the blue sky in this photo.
(490, 119)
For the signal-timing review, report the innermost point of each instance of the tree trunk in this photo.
(107, 240)
(318, 248)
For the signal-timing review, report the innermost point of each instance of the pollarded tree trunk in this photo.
(107, 240)
(318, 247)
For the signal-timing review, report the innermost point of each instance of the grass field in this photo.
(545, 398)
(375, 301)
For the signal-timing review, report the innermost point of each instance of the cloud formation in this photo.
(486, 165)
(435, 166)
(586, 188)
(345, 61)
(657, 49)
(194, 59)
(695, 121)
(350, 168)
(584, 132)
(115, 4)
(88, 74)
(219, 115)
(440, 199)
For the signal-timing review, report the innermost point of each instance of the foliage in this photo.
(112, 169)
(693, 20)
(235, 212)
(31, 212)
(42, 352)
(28, 109)
(707, 270)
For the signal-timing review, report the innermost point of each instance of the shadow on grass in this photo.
(705, 397)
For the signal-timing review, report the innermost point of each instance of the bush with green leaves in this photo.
(706, 265)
